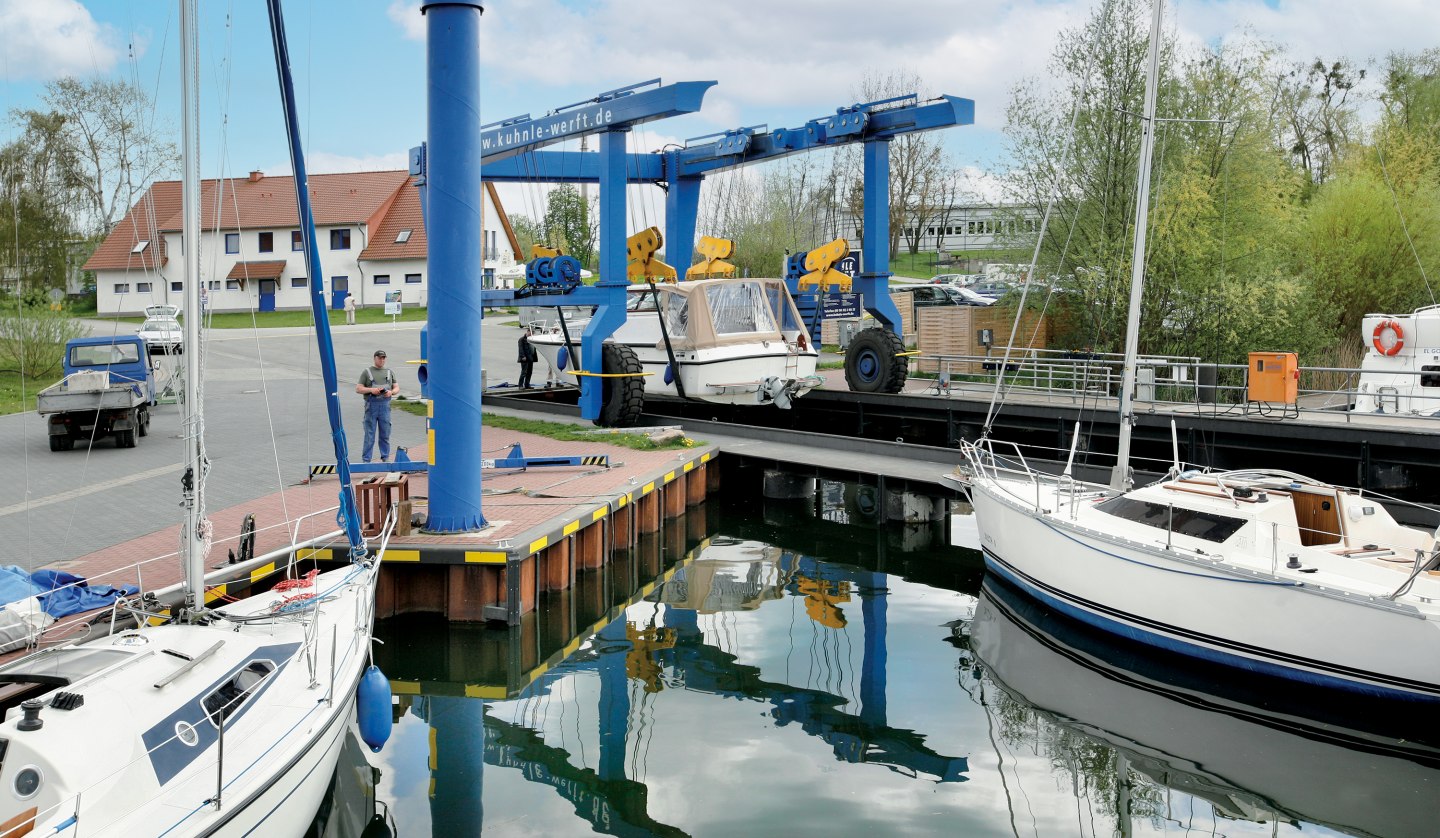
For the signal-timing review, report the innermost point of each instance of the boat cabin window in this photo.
(1433, 377)
(1206, 525)
(230, 696)
(780, 304)
(104, 355)
(737, 308)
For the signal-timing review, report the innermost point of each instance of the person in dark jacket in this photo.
(526, 359)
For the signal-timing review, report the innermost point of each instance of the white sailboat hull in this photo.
(137, 759)
(1223, 609)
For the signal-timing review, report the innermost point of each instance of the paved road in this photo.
(265, 422)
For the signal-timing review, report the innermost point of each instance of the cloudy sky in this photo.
(360, 63)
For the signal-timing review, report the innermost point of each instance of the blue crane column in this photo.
(613, 280)
(874, 275)
(452, 225)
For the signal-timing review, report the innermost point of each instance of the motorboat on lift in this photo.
(731, 341)
(1400, 373)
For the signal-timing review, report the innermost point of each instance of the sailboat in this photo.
(222, 720)
(1261, 569)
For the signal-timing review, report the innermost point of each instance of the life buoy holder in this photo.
(1394, 348)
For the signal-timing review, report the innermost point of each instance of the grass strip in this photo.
(562, 431)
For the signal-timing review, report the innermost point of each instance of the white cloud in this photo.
(406, 15)
(47, 40)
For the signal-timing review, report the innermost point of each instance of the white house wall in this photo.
(215, 265)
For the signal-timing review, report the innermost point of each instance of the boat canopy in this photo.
(721, 312)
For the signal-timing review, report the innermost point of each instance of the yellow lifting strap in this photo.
(545, 251)
(641, 249)
(714, 251)
(608, 374)
(820, 263)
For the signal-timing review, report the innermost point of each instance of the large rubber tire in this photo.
(124, 439)
(57, 443)
(144, 427)
(873, 363)
(624, 398)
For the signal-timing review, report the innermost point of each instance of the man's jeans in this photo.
(377, 414)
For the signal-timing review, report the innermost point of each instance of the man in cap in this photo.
(378, 385)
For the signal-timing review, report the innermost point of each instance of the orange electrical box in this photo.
(1274, 377)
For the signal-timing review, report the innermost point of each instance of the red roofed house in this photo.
(367, 224)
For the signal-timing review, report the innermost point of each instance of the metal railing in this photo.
(1167, 380)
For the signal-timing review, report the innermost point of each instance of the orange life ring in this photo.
(1394, 348)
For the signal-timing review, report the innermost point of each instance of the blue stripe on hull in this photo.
(1012, 576)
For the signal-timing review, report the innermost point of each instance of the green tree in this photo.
(569, 224)
(113, 147)
(528, 233)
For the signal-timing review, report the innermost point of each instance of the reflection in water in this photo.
(804, 668)
(1263, 752)
(350, 809)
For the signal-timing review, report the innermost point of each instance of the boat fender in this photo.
(372, 708)
(1394, 348)
(562, 357)
(669, 373)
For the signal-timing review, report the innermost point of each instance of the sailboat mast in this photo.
(1120, 478)
(192, 535)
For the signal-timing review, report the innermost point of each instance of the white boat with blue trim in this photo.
(1263, 570)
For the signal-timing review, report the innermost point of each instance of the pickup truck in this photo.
(107, 390)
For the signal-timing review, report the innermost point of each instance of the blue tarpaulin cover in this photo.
(60, 593)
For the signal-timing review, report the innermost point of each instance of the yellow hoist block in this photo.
(641, 249)
(545, 251)
(714, 251)
(822, 600)
(640, 663)
(820, 264)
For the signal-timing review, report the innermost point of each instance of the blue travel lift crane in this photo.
(876, 364)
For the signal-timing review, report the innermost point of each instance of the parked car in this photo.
(941, 295)
(163, 310)
(162, 335)
(957, 280)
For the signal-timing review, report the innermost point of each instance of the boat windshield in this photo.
(738, 308)
(1207, 525)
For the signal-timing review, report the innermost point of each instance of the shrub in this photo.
(33, 342)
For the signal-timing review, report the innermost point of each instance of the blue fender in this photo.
(372, 708)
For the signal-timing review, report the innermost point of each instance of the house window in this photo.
(266, 243)
(214, 285)
(297, 241)
(177, 287)
(232, 242)
(232, 285)
(412, 279)
(140, 246)
(122, 288)
(142, 287)
(382, 279)
(340, 239)
(402, 237)
(299, 282)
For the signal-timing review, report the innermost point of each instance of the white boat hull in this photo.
(723, 375)
(1205, 607)
(141, 759)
